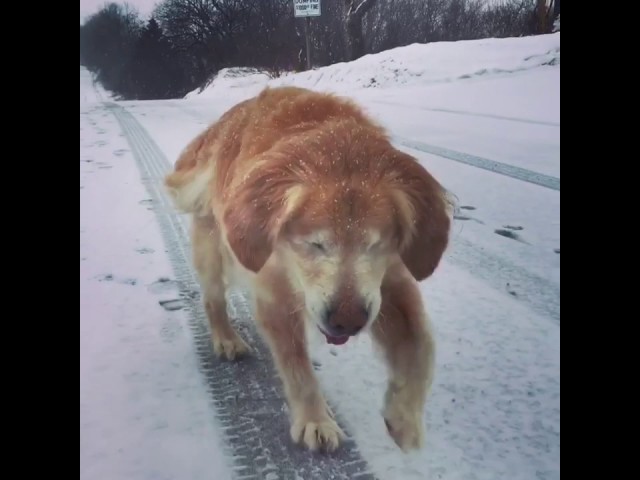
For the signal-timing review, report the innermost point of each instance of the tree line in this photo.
(186, 42)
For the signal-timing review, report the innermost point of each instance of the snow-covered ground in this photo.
(495, 408)
(144, 412)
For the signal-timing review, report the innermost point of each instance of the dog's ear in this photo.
(424, 221)
(255, 213)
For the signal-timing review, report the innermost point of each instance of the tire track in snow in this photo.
(470, 114)
(542, 295)
(512, 171)
(247, 395)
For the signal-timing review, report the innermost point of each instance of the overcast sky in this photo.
(87, 7)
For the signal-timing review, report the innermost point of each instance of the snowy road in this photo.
(251, 411)
(155, 404)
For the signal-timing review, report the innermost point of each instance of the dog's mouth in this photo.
(331, 340)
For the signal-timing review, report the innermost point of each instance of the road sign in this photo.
(306, 8)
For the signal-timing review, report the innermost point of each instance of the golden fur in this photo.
(303, 197)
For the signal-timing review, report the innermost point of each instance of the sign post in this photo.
(307, 9)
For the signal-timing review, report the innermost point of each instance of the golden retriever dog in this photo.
(302, 198)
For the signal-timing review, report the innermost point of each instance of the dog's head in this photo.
(335, 221)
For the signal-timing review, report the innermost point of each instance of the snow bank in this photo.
(417, 64)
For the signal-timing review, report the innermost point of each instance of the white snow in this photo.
(415, 64)
(90, 91)
(144, 411)
(495, 407)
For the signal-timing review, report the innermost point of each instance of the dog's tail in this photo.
(189, 183)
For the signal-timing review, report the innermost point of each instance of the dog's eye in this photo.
(375, 246)
(319, 247)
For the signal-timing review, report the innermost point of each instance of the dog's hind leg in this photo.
(403, 331)
(209, 264)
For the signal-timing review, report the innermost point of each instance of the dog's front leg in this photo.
(311, 419)
(403, 331)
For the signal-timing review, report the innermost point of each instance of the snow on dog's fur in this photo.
(303, 196)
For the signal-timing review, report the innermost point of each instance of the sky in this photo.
(88, 7)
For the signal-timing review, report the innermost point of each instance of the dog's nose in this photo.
(346, 321)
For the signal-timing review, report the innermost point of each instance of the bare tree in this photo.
(328, 41)
(544, 16)
(106, 45)
(204, 30)
(193, 39)
(269, 39)
(356, 10)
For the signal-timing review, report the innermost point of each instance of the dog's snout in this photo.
(346, 320)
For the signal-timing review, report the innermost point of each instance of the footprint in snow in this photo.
(465, 217)
(108, 277)
(508, 233)
(163, 285)
(172, 305)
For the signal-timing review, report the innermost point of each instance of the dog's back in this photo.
(227, 149)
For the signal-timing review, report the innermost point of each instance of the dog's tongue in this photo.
(336, 340)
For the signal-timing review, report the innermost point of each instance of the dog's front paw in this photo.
(317, 434)
(405, 425)
(230, 348)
